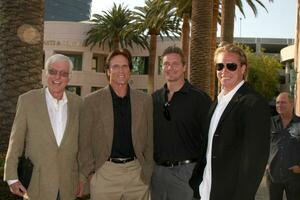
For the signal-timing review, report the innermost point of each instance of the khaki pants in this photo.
(115, 181)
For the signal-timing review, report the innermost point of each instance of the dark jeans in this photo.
(291, 188)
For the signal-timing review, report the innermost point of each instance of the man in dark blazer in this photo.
(238, 135)
(116, 136)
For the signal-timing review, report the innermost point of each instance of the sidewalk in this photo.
(262, 193)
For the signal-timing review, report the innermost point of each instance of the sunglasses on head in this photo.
(229, 66)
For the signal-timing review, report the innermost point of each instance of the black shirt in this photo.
(180, 136)
(285, 148)
(122, 140)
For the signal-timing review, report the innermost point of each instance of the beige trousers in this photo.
(115, 181)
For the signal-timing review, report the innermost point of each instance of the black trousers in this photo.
(291, 189)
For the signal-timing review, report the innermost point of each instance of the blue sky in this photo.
(278, 22)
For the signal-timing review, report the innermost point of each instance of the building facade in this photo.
(88, 75)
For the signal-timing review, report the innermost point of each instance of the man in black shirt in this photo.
(116, 136)
(283, 170)
(180, 111)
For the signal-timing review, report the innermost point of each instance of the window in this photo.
(76, 58)
(74, 89)
(93, 89)
(140, 65)
(98, 62)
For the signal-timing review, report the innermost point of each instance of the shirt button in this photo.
(214, 157)
(216, 135)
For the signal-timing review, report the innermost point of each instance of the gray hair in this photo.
(59, 57)
(289, 95)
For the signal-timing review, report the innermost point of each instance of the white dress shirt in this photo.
(58, 113)
(223, 101)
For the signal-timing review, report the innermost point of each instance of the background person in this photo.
(283, 170)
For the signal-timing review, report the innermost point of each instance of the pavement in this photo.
(262, 193)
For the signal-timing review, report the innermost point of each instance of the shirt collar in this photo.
(115, 96)
(49, 96)
(230, 94)
(184, 89)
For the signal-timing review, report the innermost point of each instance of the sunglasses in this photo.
(54, 72)
(230, 66)
(167, 111)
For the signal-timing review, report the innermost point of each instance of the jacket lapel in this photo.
(233, 102)
(212, 109)
(45, 116)
(70, 117)
(135, 114)
(107, 114)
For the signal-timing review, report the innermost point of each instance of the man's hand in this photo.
(18, 189)
(295, 169)
(79, 190)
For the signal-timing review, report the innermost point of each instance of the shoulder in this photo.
(275, 118)
(198, 93)
(139, 94)
(250, 101)
(296, 119)
(97, 94)
(158, 95)
(73, 97)
(250, 95)
(32, 94)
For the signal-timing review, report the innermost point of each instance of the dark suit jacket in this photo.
(240, 148)
(97, 128)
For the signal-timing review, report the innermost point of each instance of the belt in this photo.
(120, 160)
(176, 163)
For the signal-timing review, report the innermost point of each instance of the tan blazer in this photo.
(55, 168)
(97, 127)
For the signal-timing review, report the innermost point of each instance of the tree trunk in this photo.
(200, 44)
(152, 58)
(116, 42)
(185, 39)
(297, 61)
(213, 80)
(227, 21)
(21, 56)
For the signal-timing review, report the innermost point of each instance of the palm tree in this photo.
(215, 19)
(157, 17)
(200, 43)
(113, 27)
(228, 13)
(21, 56)
(184, 10)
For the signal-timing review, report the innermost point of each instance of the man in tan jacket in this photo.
(115, 143)
(48, 120)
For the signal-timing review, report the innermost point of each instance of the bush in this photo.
(263, 73)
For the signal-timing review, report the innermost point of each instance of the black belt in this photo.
(120, 160)
(176, 163)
